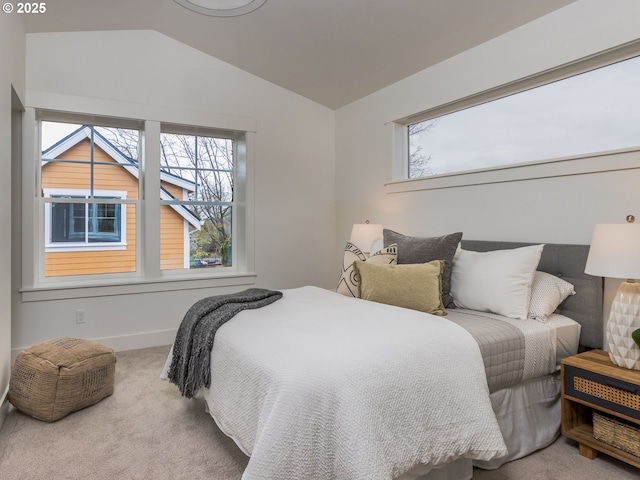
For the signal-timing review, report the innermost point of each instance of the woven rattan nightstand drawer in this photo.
(603, 391)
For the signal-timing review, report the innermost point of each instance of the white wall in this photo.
(562, 209)
(12, 73)
(299, 188)
(294, 169)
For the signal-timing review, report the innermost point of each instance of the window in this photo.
(595, 111)
(82, 226)
(205, 165)
(86, 184)
(90, 186)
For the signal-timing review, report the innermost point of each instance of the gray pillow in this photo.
(423, 250)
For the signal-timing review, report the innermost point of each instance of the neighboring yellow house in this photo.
(83, 238)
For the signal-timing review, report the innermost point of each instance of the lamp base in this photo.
(623, 320)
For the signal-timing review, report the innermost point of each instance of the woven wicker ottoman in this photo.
(54, 378)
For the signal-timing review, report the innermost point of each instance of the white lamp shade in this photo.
(364, 234)
(615, 251)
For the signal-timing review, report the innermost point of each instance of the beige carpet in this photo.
(146, 430)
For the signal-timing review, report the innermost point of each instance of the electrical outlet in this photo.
(81, 316)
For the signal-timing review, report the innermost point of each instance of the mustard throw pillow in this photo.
(415, 286)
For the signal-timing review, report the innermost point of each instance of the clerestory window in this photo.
(527, 123)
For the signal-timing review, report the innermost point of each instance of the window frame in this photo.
(397, 133)
(148, 277)
(238, 159)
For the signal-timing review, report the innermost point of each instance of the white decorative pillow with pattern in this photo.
(547, 293)
(348, 283)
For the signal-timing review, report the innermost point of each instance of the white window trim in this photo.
(83, 246)
(35, 287)
(611, 161)
(239, 261)
(623, 159)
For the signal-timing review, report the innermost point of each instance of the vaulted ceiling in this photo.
(331, 51)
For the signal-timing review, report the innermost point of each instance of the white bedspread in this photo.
(321, 386)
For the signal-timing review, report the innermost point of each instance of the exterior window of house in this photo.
(590, 112)
(89, 193)
(204, 166)
(81, 225)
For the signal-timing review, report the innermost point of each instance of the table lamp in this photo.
(615, 253)
(364, 234)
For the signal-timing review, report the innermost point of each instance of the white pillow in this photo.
(349, 279)
(498, 281)
(547, 292)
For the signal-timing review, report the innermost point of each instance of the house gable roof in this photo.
(130, 164)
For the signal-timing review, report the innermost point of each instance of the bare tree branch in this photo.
(419, 163)
(208, 163)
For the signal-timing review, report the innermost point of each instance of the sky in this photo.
(592, 112)
(54, 131)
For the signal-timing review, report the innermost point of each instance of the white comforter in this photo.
(321, 386)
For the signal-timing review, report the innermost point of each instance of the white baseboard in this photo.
(139, 340)
(134, 341)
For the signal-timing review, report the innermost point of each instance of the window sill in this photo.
(626, 159)
(96, 247)
(63, 291)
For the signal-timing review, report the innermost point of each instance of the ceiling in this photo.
(330, 51)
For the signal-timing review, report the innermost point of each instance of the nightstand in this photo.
(591, 383)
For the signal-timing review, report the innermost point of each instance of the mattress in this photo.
(567, 336)
(515, 350)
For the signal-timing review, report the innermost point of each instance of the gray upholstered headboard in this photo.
(567, 262)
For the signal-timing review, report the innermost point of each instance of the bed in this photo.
(529, 413)
(338, 393)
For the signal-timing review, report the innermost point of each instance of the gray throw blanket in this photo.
(190, 366)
